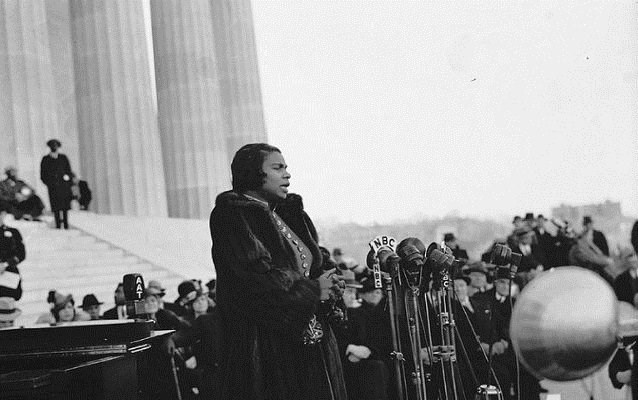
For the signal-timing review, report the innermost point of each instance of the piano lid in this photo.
(73, 335)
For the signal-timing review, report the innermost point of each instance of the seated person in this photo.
(187, 292)
(8, 312)
(164, 319)
(63, 311)
(24, 203)
(119, 311)
(91, 306)
(198, 349)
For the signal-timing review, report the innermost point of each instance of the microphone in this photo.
(383, 249)
(382, 257)
(503, 255)
(411, 252)
(440, 261)
(134, 295)
(441, 265)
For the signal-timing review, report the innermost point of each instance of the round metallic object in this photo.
(565, 324)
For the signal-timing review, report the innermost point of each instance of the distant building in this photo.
(607, 212)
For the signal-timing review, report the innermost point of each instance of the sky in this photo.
(397, 110)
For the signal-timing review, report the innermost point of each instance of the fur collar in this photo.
(293, 201)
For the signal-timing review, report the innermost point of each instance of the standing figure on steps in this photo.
(55, 172)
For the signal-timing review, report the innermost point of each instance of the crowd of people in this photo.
(290, 319)
(194, 347)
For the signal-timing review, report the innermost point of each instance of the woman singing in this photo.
(271, 289)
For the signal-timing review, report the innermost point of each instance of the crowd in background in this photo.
(194, 347)
(484, 296)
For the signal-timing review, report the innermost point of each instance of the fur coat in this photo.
(265, 304)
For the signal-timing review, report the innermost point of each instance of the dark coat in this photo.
(12, 251)
(601, 242)
(56, 174)
(265, 303)
(625, 287)
(204, 337)
(85, 194)
(111, 313)
(373, 377)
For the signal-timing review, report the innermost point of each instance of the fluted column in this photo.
(238, 72)
(191, 122)
(119, 137)
(29, 95)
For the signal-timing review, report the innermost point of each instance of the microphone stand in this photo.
(413, 316)
(389, 282)
(448, 345)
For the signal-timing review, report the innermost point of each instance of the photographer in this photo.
(12, 253)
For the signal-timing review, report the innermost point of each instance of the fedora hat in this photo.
(90, 300)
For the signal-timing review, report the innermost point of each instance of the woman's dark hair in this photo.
(58, 307)
(247, 166)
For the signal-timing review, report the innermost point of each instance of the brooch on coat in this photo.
(313, 332)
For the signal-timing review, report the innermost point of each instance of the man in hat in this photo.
(161, 292)
(621, 367)
(337, 255)
(533, 260)
(517, 222)
(12, 253)
(187, 291)
(470, 356)
(477, 273)
(595, 236)
(119, 311)
(491, 322)
(91, 305)
(8, 312)
(368, 366)
(458, 253)
(56, 174)
(493, 319)
(546, 241)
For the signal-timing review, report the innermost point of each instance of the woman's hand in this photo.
(357, 353)
(623, 376)
(332, 285)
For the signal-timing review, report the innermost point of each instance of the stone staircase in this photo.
(72, 261)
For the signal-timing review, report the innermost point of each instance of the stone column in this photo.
(238, 72)
(190, 111)
(120, 146)
(29, 96)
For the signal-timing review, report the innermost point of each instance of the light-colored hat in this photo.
(155, 284)
(8, 310)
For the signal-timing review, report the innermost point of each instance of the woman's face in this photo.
(460, 288)
(200, 305)
(151, 303)
(67, 313)
(277, 179)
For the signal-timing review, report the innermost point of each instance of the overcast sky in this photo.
(391, 110)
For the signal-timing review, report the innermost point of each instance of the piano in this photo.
(104, 360)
